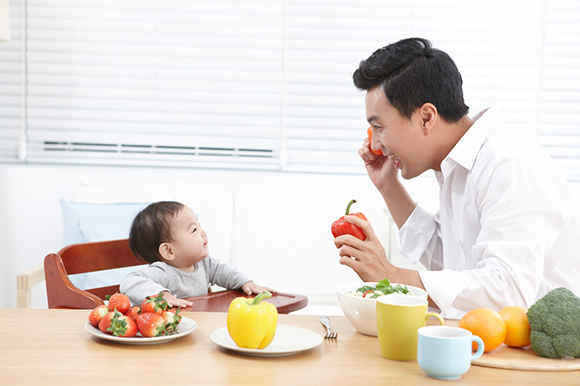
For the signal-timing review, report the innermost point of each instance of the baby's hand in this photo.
(175, 302)
(251, 288)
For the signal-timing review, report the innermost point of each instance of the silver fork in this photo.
(329, 333)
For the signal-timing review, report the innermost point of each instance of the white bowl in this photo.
(362, 312)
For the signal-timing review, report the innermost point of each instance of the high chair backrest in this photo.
(83, 258)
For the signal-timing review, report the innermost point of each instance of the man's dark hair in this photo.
(151, 228)
(411, 73)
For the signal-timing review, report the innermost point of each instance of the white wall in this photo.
(31, 221)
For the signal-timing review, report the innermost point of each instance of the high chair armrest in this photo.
(60, 290)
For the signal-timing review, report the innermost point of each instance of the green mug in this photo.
(399, 318)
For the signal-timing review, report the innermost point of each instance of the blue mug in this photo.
(445, 352)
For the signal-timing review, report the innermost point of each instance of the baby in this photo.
(167, 235)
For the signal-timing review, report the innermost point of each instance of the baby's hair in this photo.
(151, 228)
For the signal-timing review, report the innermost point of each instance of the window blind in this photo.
(11, 87)
(163, 82)
(268, 83)
(558, 129)
(497, 46)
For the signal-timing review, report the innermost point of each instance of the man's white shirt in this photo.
(507, 230)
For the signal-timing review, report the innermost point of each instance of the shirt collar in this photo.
(465, 151)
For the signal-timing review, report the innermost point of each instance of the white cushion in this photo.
(86, 222)
(212, 204)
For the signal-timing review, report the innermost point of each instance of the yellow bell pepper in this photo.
(251, 322)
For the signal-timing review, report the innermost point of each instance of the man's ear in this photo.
(428, 114)
(166, 251)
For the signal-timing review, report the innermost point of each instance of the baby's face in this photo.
(189, 240)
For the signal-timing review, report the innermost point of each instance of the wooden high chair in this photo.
(83, 258)
(105, 255)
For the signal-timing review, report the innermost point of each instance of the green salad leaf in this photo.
(383, 287)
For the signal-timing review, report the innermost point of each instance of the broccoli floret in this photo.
(555, 324)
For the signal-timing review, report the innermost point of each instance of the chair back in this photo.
(83, 258)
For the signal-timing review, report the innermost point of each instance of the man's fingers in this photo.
(362, 224)
(348, 261)
(354, 264)
(348, 239)
(346, 251)
(351, 252)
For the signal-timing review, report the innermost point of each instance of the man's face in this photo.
(399, 138)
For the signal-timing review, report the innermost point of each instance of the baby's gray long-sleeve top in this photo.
(160, 276)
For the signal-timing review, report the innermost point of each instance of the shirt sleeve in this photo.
(140, 284)
(224, 275)
(419, 239)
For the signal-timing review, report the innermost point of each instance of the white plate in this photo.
(186, 326)
(287, 341)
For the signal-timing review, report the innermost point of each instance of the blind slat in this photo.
(266, 77)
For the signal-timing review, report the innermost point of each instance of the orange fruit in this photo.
(518, 327)
(487, 324)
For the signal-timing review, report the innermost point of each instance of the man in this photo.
(507, 230)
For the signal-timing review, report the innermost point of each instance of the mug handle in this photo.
(480, 347)
(435, 315)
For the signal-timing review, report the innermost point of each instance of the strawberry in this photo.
(105, 322)
(172, 319)
(122, 325)
(97, 314)
(133, 312)
(120, 302)
(155, 304)
(150, 324)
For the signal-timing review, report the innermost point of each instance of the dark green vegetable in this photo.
(384, 287)
(555, 324)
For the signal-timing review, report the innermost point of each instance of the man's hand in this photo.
(367, 258)
(380, 168)
(384, 174)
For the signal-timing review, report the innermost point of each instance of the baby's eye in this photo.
(194, 230)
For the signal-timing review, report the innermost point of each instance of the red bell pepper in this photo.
(343, 227)
(370, 135)
(368, 292)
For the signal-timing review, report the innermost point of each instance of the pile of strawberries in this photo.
(153, 318)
